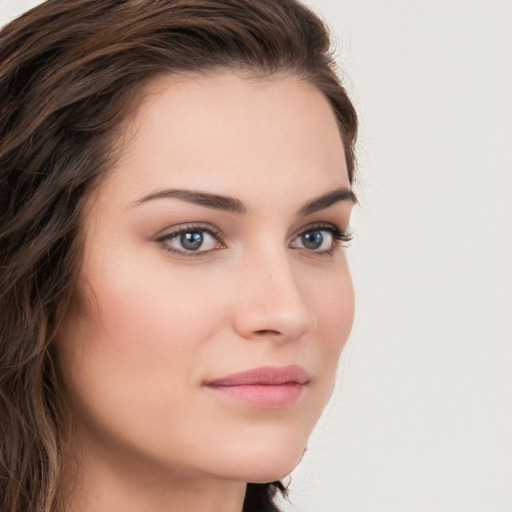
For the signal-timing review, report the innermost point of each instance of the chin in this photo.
(266, 459)
(270, 473)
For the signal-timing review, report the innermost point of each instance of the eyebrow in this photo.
(327, 200)
(229, 204)
(233, 205)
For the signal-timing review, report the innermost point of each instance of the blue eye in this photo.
(194, 240)
(315, 240)
(321, 239)
(191, 240)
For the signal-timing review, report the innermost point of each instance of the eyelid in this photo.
(341, 237)
(329, 226)
(178, 229)
(187, 226)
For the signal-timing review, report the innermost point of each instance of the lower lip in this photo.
(261, 395)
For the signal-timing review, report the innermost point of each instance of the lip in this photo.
(270, 387)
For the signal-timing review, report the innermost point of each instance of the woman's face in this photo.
(211, 250)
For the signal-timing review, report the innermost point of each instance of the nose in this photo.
(272, 303)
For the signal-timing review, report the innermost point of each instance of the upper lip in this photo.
(264, 375)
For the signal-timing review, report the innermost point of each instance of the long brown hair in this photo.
(69, 72)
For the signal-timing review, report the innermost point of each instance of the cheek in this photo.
(150, 311)
(130, 359)
(136, 335)
(334, 305)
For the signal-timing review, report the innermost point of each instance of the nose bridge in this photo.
(273, 302)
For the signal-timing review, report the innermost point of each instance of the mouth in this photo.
(270, 387)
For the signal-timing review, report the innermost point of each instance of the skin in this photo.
(151, 326)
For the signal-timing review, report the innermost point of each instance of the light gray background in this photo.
(421, 420)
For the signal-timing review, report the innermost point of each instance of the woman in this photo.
(175, 194)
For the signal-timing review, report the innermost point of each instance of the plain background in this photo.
(421, 419)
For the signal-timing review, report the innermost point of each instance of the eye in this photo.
(321, 239)
(191, 240)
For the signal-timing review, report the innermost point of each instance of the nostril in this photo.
(266, 332)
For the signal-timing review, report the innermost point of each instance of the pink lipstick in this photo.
(270, 387)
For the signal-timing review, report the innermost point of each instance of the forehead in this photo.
(231, 132)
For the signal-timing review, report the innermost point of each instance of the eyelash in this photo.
(341, 238)
(201, 228)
